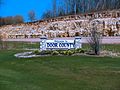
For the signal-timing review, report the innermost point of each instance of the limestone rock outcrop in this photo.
(108, 24)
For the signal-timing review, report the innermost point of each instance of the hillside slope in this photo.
(66, 26)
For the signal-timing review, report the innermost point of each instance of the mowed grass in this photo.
(58, 73)
(36, 45)
(21, 45)
(107, 47)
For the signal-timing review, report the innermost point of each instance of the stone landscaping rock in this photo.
(102, 54)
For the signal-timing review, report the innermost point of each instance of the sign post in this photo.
(43, 43)
(78, 42)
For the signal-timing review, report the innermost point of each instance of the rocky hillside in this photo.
(108, 24)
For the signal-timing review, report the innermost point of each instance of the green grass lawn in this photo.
(30, 45)
(58, 73)
(108, 47)
(21, 45)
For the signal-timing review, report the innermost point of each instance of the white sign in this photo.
(60, 44)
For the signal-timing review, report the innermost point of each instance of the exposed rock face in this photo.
(108, 24)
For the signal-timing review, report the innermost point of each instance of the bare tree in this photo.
(54, 8)
(18, 19)
(95, 39)
(11, 20)
(61, 11)
(82, 6)
(31, 15)
(3, 44)
(1, 41)
(47, 14)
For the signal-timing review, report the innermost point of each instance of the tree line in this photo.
(11, 20)
(16, 19)
(65, 7)
(71, 7)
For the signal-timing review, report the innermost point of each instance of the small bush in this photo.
(45, 52)
(82, 51)
(79, 50)
(36, 52)
(55, 53)
(65, 52)
(61, 52)
(68, 52)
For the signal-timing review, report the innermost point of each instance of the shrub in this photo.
(64, 52)
(79, 50)
(55, 53)
(68, 52)
(36, 52)
(45, 52)
(61, 52)
(82, 51)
